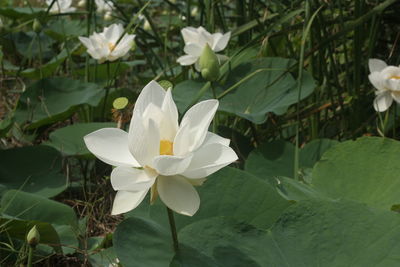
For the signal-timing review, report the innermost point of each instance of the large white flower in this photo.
(60, 6)
(103, 46)
(386, 79)
(160, 155)
(104, 6)
(196, 40)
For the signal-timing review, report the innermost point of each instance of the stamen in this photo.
(166, 147)
(111, 46)
(395, 77)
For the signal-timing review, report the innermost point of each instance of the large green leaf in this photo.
(18, 229)
(24, 13)
(69, 140)
(259, 86)
(62, 29)
(31, 207)
(276, 158)
(35, 169)
(310, 233)
(53, 99)
(366, 170)
(229, 192)
(141, 242)
(47, 69)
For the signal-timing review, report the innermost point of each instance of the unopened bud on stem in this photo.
(209, 64)
(33, 237)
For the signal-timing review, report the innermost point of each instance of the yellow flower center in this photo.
(166, 147)
(111, 46)
(395, 77)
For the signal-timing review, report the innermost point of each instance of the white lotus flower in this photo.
(104, 6)
(103, 46)
(160, 155)
(386, 79)
(60, 6)
(196, 40)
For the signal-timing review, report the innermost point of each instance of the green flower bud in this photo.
(33, 237)
(37, 26)
(209, 64)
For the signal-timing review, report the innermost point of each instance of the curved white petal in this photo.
(189, 35)
(377, 80)
(396, 96)
(187, 60)
(221, 41)
(193, 49)
(125, 201)
(194, 127)
(212, 138)
(113, 33)
(393, 84)
(169, 124)
(151, 93)
(375, 64)
(144, 141)
(85, 41)
(171, 165)
(209, 159)
(178, 194)
(131, 179)
(383, 101)
(111, 146)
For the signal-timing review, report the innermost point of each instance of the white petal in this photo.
(169, 124)
(396, 96)
(194, 127)
(144, 142)
(392, 84)
(209, 159)
(126, 201)
(111, 146)
(383, 101)
(212, 138)
(178, 194)
(151, 93)
(189, 35)
(113, 33)
(171, 165)
(376, 65)
(377, 80)
(85, 41)
(193, 49)
(131, 179)
(186, 60)
(221, 41)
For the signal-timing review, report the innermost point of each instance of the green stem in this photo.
(173, 229)
(108, 85)
(30, 256)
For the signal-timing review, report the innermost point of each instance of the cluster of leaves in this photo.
(296, 74)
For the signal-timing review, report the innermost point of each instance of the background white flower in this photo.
(103, 46)
(196, 39)
(60, 6)
(104, 6)
(386, 79)
(172, 157)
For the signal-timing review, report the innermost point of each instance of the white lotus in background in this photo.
(160, 155)
(60, 6)
(386, 79)
(195, 41)
(104, 47)
(104, 6)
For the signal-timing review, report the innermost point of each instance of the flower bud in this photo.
(108, 16)
(82, 3)
(209, 64)
(37, 26)
(146, 25)
(33, 237)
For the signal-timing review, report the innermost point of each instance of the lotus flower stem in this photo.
(30, 256)
(173, 229)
